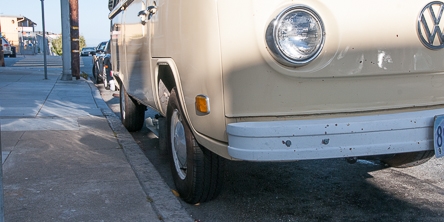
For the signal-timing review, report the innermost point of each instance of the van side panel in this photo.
(137, 40)
(191, 39)
(116, 38)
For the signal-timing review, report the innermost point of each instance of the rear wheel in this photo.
(132, 113)
(404, 160)
(197, 172)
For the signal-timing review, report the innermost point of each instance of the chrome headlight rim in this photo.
(272, 38)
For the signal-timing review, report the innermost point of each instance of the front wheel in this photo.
(197, 172)
(132, 113)
(404, 160)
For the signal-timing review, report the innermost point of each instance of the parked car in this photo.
(6, 48)
(285, 80)
(97, 59)
(88, 51)
(103, 70)
(106, 71)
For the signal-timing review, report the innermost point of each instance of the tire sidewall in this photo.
(185, 187)
(96, 73)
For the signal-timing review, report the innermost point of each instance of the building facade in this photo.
(19, 31)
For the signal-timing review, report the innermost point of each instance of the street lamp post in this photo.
(44, 39)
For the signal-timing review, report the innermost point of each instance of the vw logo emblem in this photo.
(429, 30)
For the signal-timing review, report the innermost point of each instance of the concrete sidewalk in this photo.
(68, 158)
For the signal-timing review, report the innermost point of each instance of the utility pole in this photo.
(66, 41)
(75, 39)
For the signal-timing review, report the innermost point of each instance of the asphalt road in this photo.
(321, 190)
(325, 190)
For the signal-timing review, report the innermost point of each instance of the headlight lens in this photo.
(296, 36)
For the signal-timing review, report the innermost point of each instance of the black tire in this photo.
(404, 160)
(197, 172)
(132, 113)
(96, 74)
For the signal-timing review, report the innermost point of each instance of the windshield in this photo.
(102, 46)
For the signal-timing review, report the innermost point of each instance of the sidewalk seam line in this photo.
(47, 97)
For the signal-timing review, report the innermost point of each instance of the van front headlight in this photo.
(296, 36)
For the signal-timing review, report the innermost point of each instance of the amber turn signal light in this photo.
(203, 104)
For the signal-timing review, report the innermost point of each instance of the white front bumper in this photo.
(332, 138)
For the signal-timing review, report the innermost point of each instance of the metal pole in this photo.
(44, 39)
(66, 40)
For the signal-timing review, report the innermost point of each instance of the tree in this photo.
(82, 42)
(57, 44)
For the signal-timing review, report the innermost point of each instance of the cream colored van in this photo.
(285, 80)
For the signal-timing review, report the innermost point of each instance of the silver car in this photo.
(88, 51)
(6, 47)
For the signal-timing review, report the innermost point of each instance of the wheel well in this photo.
(118, 81)
(167, 77)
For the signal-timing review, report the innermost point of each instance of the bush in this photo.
(57, 45)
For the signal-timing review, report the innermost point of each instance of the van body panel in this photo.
(372, 62)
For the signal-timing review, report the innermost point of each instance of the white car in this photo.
(6, 47)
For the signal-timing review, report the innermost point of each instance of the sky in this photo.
(93, 16)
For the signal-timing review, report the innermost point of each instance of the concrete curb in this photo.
(166, 205)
